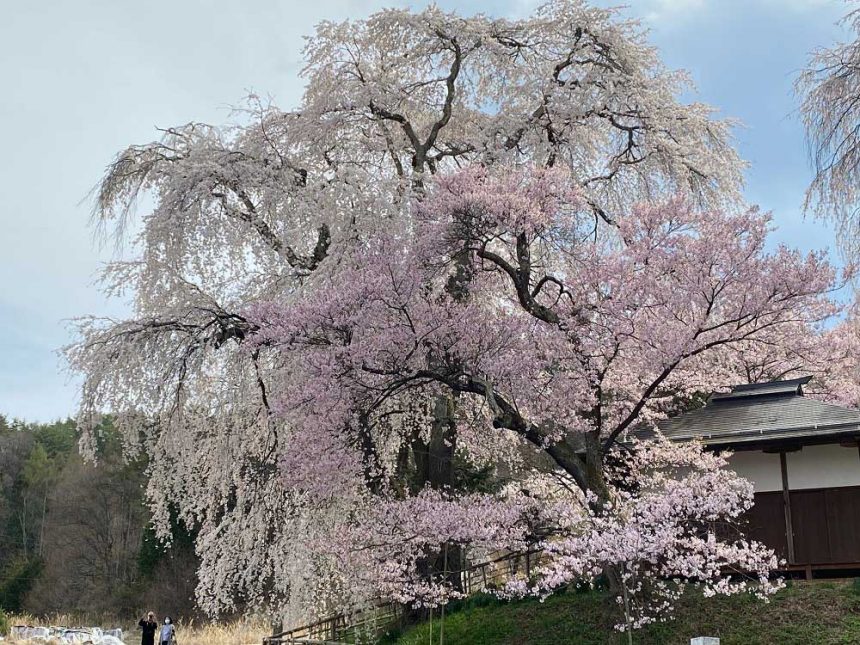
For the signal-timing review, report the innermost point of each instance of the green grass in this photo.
(823, 613)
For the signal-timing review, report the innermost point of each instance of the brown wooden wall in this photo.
(825, 523)
(766, 522)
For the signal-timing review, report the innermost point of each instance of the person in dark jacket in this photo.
(148, 628)
(167, 632)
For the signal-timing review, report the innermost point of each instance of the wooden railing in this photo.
(370, 623)
(336, 629)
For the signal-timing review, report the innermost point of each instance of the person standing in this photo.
(148, 628)
(167, 632)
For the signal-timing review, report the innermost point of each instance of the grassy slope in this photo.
(823, 613)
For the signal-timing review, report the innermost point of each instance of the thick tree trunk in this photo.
(443, 443)
(440, 451)
(434, 462)
(596, 481)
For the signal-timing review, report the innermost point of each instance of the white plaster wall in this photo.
(823, 466)
(761, 468)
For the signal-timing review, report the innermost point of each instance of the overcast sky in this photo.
(81, 80)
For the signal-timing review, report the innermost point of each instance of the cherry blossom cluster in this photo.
(672, 521)
(569, 346)
(385, 550)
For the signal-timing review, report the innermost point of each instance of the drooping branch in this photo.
(249, 215)
(505, 415)
(521, 279)
(450, 91)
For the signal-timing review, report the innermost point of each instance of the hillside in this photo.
(71, 529)
(820, 612)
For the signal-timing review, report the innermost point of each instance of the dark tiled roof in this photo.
(763, 412)
(794, 386)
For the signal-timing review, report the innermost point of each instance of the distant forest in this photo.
(76, 536)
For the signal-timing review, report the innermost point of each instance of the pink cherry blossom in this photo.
(565, 345)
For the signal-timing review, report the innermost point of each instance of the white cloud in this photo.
(674, 12)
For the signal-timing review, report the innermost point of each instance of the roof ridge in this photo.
(778, 387)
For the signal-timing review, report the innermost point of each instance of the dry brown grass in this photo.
(246, 632)
(241, 633)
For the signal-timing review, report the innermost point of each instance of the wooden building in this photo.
(803, 459)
